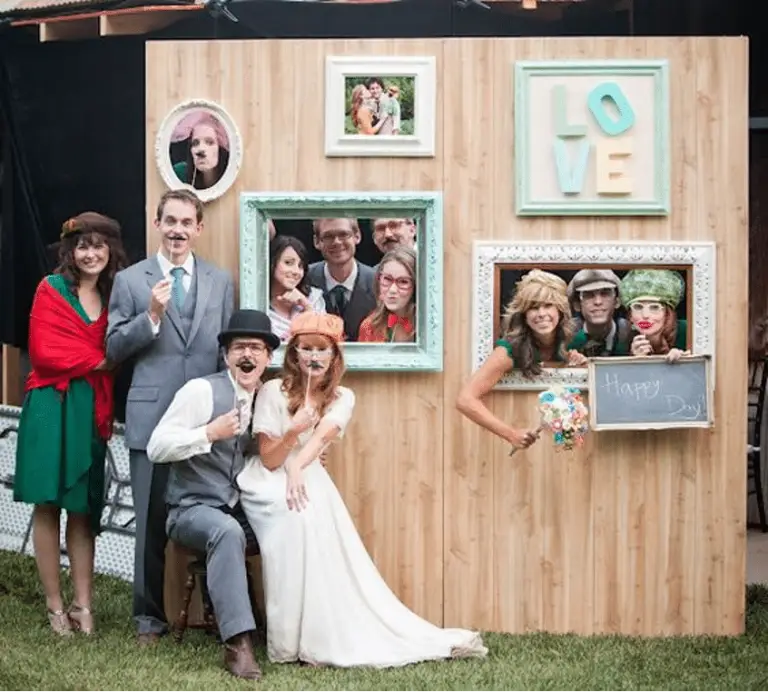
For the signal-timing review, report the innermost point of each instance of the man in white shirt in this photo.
(165, 314)
(202, 438)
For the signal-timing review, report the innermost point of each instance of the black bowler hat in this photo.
(253, 323)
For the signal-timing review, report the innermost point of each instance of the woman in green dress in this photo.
(67, 415)
(652, 297)
(537, 328)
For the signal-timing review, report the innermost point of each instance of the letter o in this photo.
(612, 91)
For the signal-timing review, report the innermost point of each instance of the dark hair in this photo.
(182, 196)
(276, 249)
(91, 228)
(374, 80)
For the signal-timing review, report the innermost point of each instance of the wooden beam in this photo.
(69, 29)
(137, 23)
(11, 377)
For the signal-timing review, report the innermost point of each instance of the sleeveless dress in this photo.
(326, 602)
(59, 453)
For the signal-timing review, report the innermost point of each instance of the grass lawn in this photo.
(33, 658)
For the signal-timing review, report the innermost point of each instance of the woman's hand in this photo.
(296, 490)
(304, 419)
(292, 298)
(676, 354)
(577, 360)
(521, 439)
(641, 346)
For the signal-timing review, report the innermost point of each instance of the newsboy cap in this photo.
(592, 280)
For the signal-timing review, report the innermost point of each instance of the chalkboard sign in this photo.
(648, 393)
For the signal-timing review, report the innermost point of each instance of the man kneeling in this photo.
(204, 433)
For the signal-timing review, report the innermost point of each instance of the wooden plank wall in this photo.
(637, 533)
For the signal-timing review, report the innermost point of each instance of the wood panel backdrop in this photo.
(636, 533)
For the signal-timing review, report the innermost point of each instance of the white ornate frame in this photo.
(699, 256)
(426, 353)
(420, 144)
(163, 141)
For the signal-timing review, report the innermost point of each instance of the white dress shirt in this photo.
(181, 434)
(186, 280)
(348, 283)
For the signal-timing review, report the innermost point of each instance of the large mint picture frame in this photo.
(257, 208)
(567, 113)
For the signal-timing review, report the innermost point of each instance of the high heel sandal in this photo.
(60, 623)
(82, 618)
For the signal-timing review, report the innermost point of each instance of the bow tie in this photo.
(394, 320)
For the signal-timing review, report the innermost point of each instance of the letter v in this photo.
(571, 179)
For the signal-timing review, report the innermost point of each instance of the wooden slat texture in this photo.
(638, 532)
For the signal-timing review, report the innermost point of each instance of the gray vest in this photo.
(187, 312)
(210, 479)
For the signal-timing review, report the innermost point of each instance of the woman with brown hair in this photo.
(537, 327)
(394, 319)
(67, 415)
(326, 602)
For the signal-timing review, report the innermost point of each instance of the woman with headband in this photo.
(326, 602)
(536, 328)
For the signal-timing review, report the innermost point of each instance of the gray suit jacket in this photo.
(362, 301)
(163, 363)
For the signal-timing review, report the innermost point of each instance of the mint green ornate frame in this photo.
(528, 206)
(426, 353)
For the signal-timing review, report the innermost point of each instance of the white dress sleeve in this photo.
(316, 299)
(269, 411)
(340, 411)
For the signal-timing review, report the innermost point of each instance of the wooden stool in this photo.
(197, 573)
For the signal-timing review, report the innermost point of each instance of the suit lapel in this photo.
(204, 288)
(155, 274)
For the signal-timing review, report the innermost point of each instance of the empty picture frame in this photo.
(326, 231)
(499, 265)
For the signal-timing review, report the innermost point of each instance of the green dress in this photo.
(59, 454)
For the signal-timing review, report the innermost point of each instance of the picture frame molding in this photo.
(421, 144)
(163, 143)
(526, 205)
(486, 254)
(426, 354)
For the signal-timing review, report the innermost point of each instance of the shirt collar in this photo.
(609, 339)
(348, 283)
(240, 393)
(166, 266)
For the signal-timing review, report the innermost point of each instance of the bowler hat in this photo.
(253, 323)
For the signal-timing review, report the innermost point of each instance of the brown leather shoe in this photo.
(238, 658)
(147, 638)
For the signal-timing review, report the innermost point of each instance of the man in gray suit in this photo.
(347, 284)
(165, 313)
(202, 437)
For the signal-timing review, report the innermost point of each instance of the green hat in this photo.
(663, 285)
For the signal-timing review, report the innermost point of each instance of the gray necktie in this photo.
(178, 292)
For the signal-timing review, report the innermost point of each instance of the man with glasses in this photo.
(203, 437)
(347, 284)
(391, 233)
(594, 294)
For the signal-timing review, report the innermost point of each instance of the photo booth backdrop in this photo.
(636, 533)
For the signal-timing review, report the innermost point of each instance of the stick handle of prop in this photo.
(535, 432)
(309, 381)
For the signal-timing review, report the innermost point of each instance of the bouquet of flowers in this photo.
(564, 413)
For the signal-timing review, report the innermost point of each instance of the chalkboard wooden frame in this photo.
(594, 366)
(697, 256)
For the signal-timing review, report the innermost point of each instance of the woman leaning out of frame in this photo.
(537, 327)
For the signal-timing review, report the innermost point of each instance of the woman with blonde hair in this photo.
(326, 602)
(536, 329)
(652, 297)
(394, 319)
(362, 114)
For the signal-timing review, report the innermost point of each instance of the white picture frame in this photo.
(421, 143)
(168, 136)
(697, 257)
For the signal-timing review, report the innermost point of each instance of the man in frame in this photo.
(165, 314)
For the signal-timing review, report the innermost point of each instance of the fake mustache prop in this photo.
(245, 365)
(176, 236)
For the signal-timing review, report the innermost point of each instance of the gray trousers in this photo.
(223, 536)
(148, 483)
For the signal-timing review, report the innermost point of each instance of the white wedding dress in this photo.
(326, 603)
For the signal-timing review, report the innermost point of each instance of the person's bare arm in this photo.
(482, 381)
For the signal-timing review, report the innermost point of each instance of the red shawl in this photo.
(62, 347)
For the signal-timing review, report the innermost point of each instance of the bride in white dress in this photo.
(326, 602)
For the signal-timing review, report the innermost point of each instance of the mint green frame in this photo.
(660, 205)
(426, 353)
